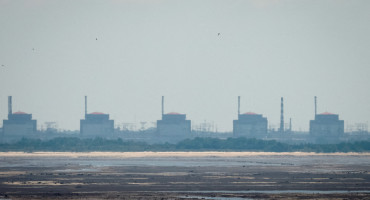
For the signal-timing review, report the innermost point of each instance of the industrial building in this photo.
(173, 126)
(250, 125)
(326, 127)
(19, 124)
(96, 124)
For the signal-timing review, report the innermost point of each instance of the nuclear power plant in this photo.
(249, 125)
(174, 127)
(18, 124)
(96, 124)
(326, 127)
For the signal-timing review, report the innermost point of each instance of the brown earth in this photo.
(23, 177)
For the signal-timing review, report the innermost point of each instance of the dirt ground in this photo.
(32, 176)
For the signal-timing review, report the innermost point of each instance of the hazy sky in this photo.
(124, 55)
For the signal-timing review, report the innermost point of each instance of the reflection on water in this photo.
(204, 193)
(278, 191)
(76, 170)
(184, 161)
(213, 198)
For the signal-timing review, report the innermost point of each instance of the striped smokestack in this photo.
(282, 116)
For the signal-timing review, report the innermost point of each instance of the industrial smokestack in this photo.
(290, 124)
(10, 112)
(315, 106)
(238, 106)
(282, 116)
(162, 105)
(85, 106)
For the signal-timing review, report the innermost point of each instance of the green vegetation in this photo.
(197, 144)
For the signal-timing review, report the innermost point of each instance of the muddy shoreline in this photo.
(177, 175)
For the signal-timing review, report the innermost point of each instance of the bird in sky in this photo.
(219, 34)
(96, 38)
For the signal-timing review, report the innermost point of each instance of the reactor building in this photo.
(326, 127)
(96, 124)
(19, 124)
(249, 125)
(173, 126)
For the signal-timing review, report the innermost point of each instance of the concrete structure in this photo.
(96, 124)
(250, 125)
(173, 126)
(326, 128)
(315, 105)
(19, 124)
(282, 129)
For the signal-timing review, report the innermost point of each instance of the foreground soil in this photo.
(104, 177)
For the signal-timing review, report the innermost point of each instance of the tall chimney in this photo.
(10, 112)
(290, 124)
(238, 106)
(315, 106)
(282, 116)
(162, 106)
(85, 106)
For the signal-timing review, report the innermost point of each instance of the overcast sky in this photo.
(201, 55)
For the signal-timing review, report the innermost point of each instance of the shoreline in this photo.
(150, 175)
(171, 154)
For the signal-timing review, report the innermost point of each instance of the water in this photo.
(214, 198)
(178, 161)
(262, 192)
(277, 191)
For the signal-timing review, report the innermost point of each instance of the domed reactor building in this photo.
(19, 124)
(326, 127)
(173, 126)
(249, 125)
(96, 124)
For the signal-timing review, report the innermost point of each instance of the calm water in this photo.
(260, 160)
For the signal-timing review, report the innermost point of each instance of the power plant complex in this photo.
(249, 125)
(19, 124)
(174, 127)
(96, 124)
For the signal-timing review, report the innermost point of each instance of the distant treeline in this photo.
(197, 144)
